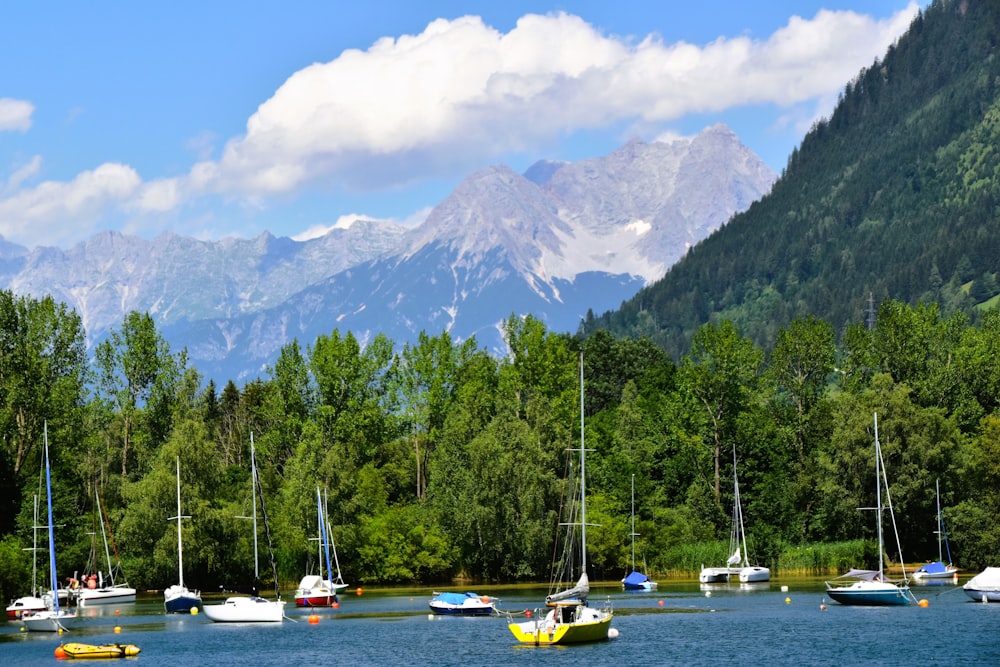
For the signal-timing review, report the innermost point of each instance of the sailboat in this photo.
(177, 598)
(101, 590)
(938, 569)
(253, 608)
(635, 580)
(313, 590)
(870, 587)
(738, 563)
(51, 619)
(570, 620)
(33, 602)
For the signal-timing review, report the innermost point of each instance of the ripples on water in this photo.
(732, 626)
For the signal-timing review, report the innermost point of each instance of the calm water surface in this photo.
(733, 625)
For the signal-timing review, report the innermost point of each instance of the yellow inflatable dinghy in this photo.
(78, 650)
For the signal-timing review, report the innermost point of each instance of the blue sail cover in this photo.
(455, 598)
(635, 579)
(934, 568)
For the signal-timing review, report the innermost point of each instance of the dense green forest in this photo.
(440, 460)
(895, 195)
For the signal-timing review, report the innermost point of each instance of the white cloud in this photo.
(460, 94)
(54, 212)
(15, 114)
(24, 173)
(462, 91)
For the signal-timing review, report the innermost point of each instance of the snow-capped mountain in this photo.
(556, 241)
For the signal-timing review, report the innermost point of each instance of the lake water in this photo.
(734, 625)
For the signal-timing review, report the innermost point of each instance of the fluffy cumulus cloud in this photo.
(67, 211)
(15, 114)
(461, 93)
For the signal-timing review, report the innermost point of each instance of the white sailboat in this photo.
(570, 620)
(317, 591)
(870, 587)
(738, 563)
(178, 598)
(51, 619)
(938, 569)
(635, 580)
(98, 589)
(253, 608)
(33, 602)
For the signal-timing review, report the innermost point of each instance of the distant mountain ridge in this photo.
(558, 241)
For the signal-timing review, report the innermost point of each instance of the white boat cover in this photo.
(987, 580)
(580, 591)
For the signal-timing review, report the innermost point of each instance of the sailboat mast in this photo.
(329, 535)
(52, 539)
(878, 494)
(583, 481)
(104, 535)
(180, 546)
(34, 552)
(253, 496)
(940, 526)
(739, 510)
(323, 538)
(633, 522)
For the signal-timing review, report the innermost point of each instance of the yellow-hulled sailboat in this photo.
(569, 619)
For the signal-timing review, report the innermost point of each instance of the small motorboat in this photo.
(91, 651)
(462, 604)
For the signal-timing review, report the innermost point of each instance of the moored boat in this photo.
(635, 580)
(570, 620)
(100, 589)
(52, 618)
(24, 605)
(462, 604)
(95, 651)
(871, 587)
(315, 590)
(252, 609)
(985, 586)
(178, 598)
(938, 569)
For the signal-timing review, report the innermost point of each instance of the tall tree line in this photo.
(438, 459)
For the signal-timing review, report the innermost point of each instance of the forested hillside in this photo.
(440, 460)
(895, 196)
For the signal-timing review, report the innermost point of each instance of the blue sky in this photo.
(214, 119)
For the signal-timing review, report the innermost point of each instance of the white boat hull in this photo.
(25, 604)
(754, 573)
(111, 595)
(718, 575)
(48, 621)
(246, 610)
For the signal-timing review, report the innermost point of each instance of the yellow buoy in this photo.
(788, 600)
(194, 611)
(118, 629)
